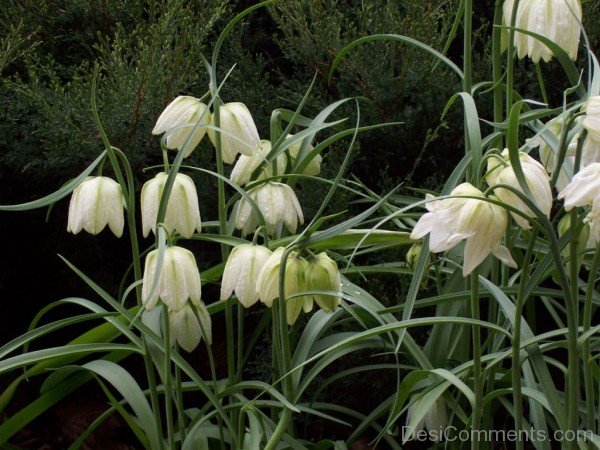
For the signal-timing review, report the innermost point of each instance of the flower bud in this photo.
(239, 134)
(314, 166)
(322, 274)
(538, 181)
(179, 121)
(183, 212)
(276, 201)
(175, 282)
(95, 203)
(412, 256)
(185, 328)
(241, 273)
(246, 165)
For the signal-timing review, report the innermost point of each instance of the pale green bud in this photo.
(322, 274)
(185, 328)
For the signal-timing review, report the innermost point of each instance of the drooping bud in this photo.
(187, 330)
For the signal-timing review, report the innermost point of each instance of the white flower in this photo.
(183, 213)
(591, 122)
(452, 220)
(435, 419)
(175, 282)
(179, 121)
(95, 203)
(557, 20)
(584, 190)
(185, 328)
(241, 273)
(239, 133)
(246, 165)
(520, 39)
(276, 201)
(314, 166)
(538, 181)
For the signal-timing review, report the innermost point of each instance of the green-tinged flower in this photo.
(175, 281)
(95, 203)
(241, 273)
(239, 133)
(246, 165)
(434, 420)
(538, 181)
(179, 120)
(183, 212)
(186, 329)
(314, 166)
(322, 274)
(277, 203)
(295, 282)
(557, 20)
(452, 220)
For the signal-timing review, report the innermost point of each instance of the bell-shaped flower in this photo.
(452, 220)
(500, 171)
(175, 281)
(246, 165)
(185, 328)
(241, 273)
(238, 131)
(434, 420)
(179, 121)
(557, 20)
(183, 212)
(95, 203)
(584, 189)
(277, 203)
(294, 281)
(521, 20)
(314, 165)
(322, 274)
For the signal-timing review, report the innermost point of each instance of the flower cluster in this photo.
(252, 272)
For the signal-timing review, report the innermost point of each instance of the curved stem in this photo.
(477, 379)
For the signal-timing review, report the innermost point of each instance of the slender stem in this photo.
(510, 58)
(240, 340)
(467, 47)
(585, 352)
(516, 343)
(497, 70)
(477, 379)
(167, 378)
(179, 395)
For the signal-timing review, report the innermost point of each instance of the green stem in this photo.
(516, 343)
(179, 394)
(585, 351)
(510, 59)
(477, 379)
(167, 378)
(497, 71)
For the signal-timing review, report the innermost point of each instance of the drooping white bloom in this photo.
(452, 220)
(241, 273)
(183, 212)
(557, 20)
(276, 201)
(314, 166)
(435, 419)
(521, 20)
(246, 165)
(538, 181)
(239, 133)
(185, 328)
(591, 121)
(584, 189)
(95, 203)
(175, 281)
(179, 120)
